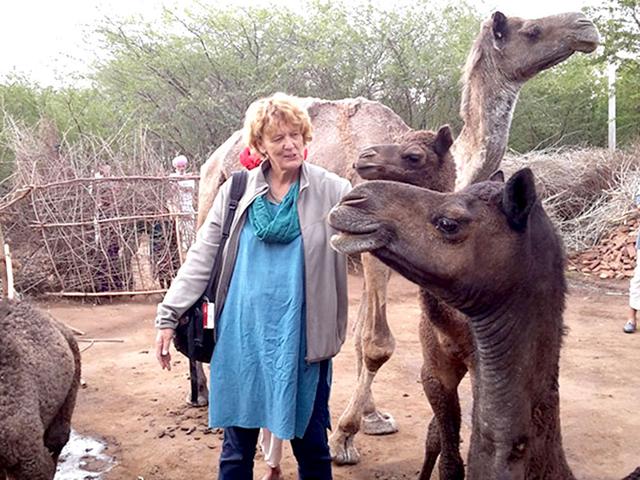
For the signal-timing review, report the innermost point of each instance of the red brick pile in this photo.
(613, 257)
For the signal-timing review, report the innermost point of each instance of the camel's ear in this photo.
(444, 140)
(518, 198)
(497, 176)
(499, 25)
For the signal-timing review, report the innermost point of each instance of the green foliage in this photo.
(188, 80)
(75, 112)
(619, 24)
(566, 105)
(193, 85)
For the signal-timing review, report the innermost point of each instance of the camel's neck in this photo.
(488, 101)
(516, 398)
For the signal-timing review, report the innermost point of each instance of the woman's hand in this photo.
(163, 343)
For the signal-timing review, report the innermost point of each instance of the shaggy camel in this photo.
(39, 379)
(506, 53)
(496, 70)
(491, 252)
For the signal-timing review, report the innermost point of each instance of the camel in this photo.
(39, 380)
(496, 70)
(505, 55)
(491, 252)
(423, 159)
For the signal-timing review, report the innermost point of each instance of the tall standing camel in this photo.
(507, 52)
(491, 252)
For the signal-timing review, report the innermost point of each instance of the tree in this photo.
(566, 105)
(619, 24)
(192, 79)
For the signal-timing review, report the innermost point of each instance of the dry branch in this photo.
(103, 294)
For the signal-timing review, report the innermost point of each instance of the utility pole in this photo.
(611, 71)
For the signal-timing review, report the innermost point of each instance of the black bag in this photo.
(191, 338)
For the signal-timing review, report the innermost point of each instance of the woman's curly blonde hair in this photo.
(266, 113)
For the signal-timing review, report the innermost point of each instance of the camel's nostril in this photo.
(353, 200)
(584, 22)
(366, 154)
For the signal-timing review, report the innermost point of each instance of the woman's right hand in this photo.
(163, 344)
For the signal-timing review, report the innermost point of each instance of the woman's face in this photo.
(283, 144)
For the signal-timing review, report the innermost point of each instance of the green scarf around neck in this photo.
(279, 225)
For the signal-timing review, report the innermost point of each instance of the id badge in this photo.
(208, 315)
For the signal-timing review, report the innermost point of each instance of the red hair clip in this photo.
(248, 160)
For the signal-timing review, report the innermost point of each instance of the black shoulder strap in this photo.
(238, 186)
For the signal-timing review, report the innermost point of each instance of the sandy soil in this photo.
(140, 411)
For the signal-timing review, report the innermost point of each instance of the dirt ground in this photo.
(140, 410)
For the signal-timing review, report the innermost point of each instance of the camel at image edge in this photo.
(40, 372)
(343, 128)
(513, 295)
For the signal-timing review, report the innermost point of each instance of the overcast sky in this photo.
(46, 40)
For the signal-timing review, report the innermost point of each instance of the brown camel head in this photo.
(518, 49)
(420, 158)
(448, 243)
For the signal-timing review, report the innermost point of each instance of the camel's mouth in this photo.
(370, 171)
(354, 243)
(356, 232)
(588, 38)
(553, 61)
(586, 46)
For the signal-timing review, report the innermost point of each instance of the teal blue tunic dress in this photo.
(259, 377)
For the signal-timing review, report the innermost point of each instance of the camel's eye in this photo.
(533, 33)
(413, 157)
(447, 225)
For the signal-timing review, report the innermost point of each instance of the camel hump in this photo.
(341, 128)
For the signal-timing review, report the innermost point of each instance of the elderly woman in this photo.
(282, 295)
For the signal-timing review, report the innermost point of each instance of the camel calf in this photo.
(491, 252)
(39, 379)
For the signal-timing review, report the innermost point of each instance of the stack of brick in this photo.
(613, 257)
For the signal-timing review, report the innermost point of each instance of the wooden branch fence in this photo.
(96, 237)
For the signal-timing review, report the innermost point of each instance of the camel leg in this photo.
(57, 435)
(33, 461)
(374, 346)
(203, 390)
(443, 435)
(36, 464)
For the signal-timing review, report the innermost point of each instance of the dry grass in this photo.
(586, 191)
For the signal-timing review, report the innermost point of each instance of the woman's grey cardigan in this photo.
(325, 269)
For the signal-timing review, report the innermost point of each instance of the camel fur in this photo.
(39, 379)
(491, 252)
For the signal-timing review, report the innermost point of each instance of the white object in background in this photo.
(11, 293)
(271, 447)
(611, 73)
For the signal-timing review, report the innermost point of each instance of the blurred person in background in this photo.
(634, 286)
